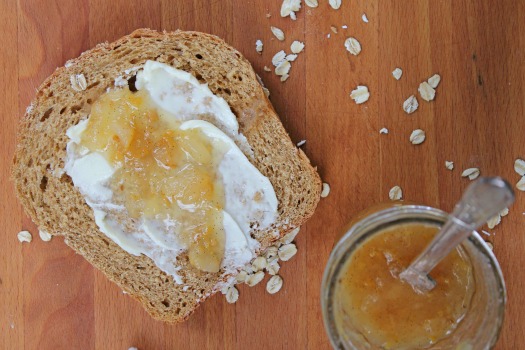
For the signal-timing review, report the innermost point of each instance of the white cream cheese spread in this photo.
(107, 158)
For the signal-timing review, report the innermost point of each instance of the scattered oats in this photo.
(449, 165)
(301, 143)
(273, 259)
(417, 137)
(344, 26)
(494, 221)
(383, 131)
(360, 94)
(290, 236)
(279, 58)
(434, 80)
(273, 268)
(336, 4)
(395, 193)
(521, 184)
(259, 263)
(486, 233)
(287, 251)
(224, 289)
(270, 252)
(133, 348)
(491, 246)
(68, 64)
(241, 277)
(289, 6)
(279, 34)
(426, 91)
(232, 295)
(311, 3)
(471, 173)
(268, 15)
(248, 269)
(291, 57)
(326, 190)
(259, 46)
(504, 212)
(25, 236)
(297, 46)
(397, 73)
(334, 29)
(267, 69)
(328, 35)
(364, 18)
(274, 284)
(519, 166)
(353, 46)
(283, 68)
(284, 77)
(293, 16)
(266, 91)
(46, 237)
(252, 280)
(78, 82)
(410, 105)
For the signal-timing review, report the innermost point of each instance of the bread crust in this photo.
(56, 206)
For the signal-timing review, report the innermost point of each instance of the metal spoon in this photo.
(482, 200)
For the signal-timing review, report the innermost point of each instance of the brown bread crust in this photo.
(57, 207)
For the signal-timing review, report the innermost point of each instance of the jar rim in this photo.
(377, 222)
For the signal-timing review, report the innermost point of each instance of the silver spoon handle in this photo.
(482, 200)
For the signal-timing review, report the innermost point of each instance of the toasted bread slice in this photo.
(56, 206)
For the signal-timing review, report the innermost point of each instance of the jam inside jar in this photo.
(366, 305)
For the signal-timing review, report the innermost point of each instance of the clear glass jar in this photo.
(480, 327)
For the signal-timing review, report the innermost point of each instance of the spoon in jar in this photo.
(482, 200)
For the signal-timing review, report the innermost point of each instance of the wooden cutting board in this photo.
(52, 299)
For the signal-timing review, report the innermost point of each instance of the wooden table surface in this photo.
(52, 299)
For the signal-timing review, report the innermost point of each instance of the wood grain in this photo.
(53, 299)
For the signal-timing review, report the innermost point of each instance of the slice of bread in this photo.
(56, 206)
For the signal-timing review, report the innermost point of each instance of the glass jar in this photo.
(480, 327)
